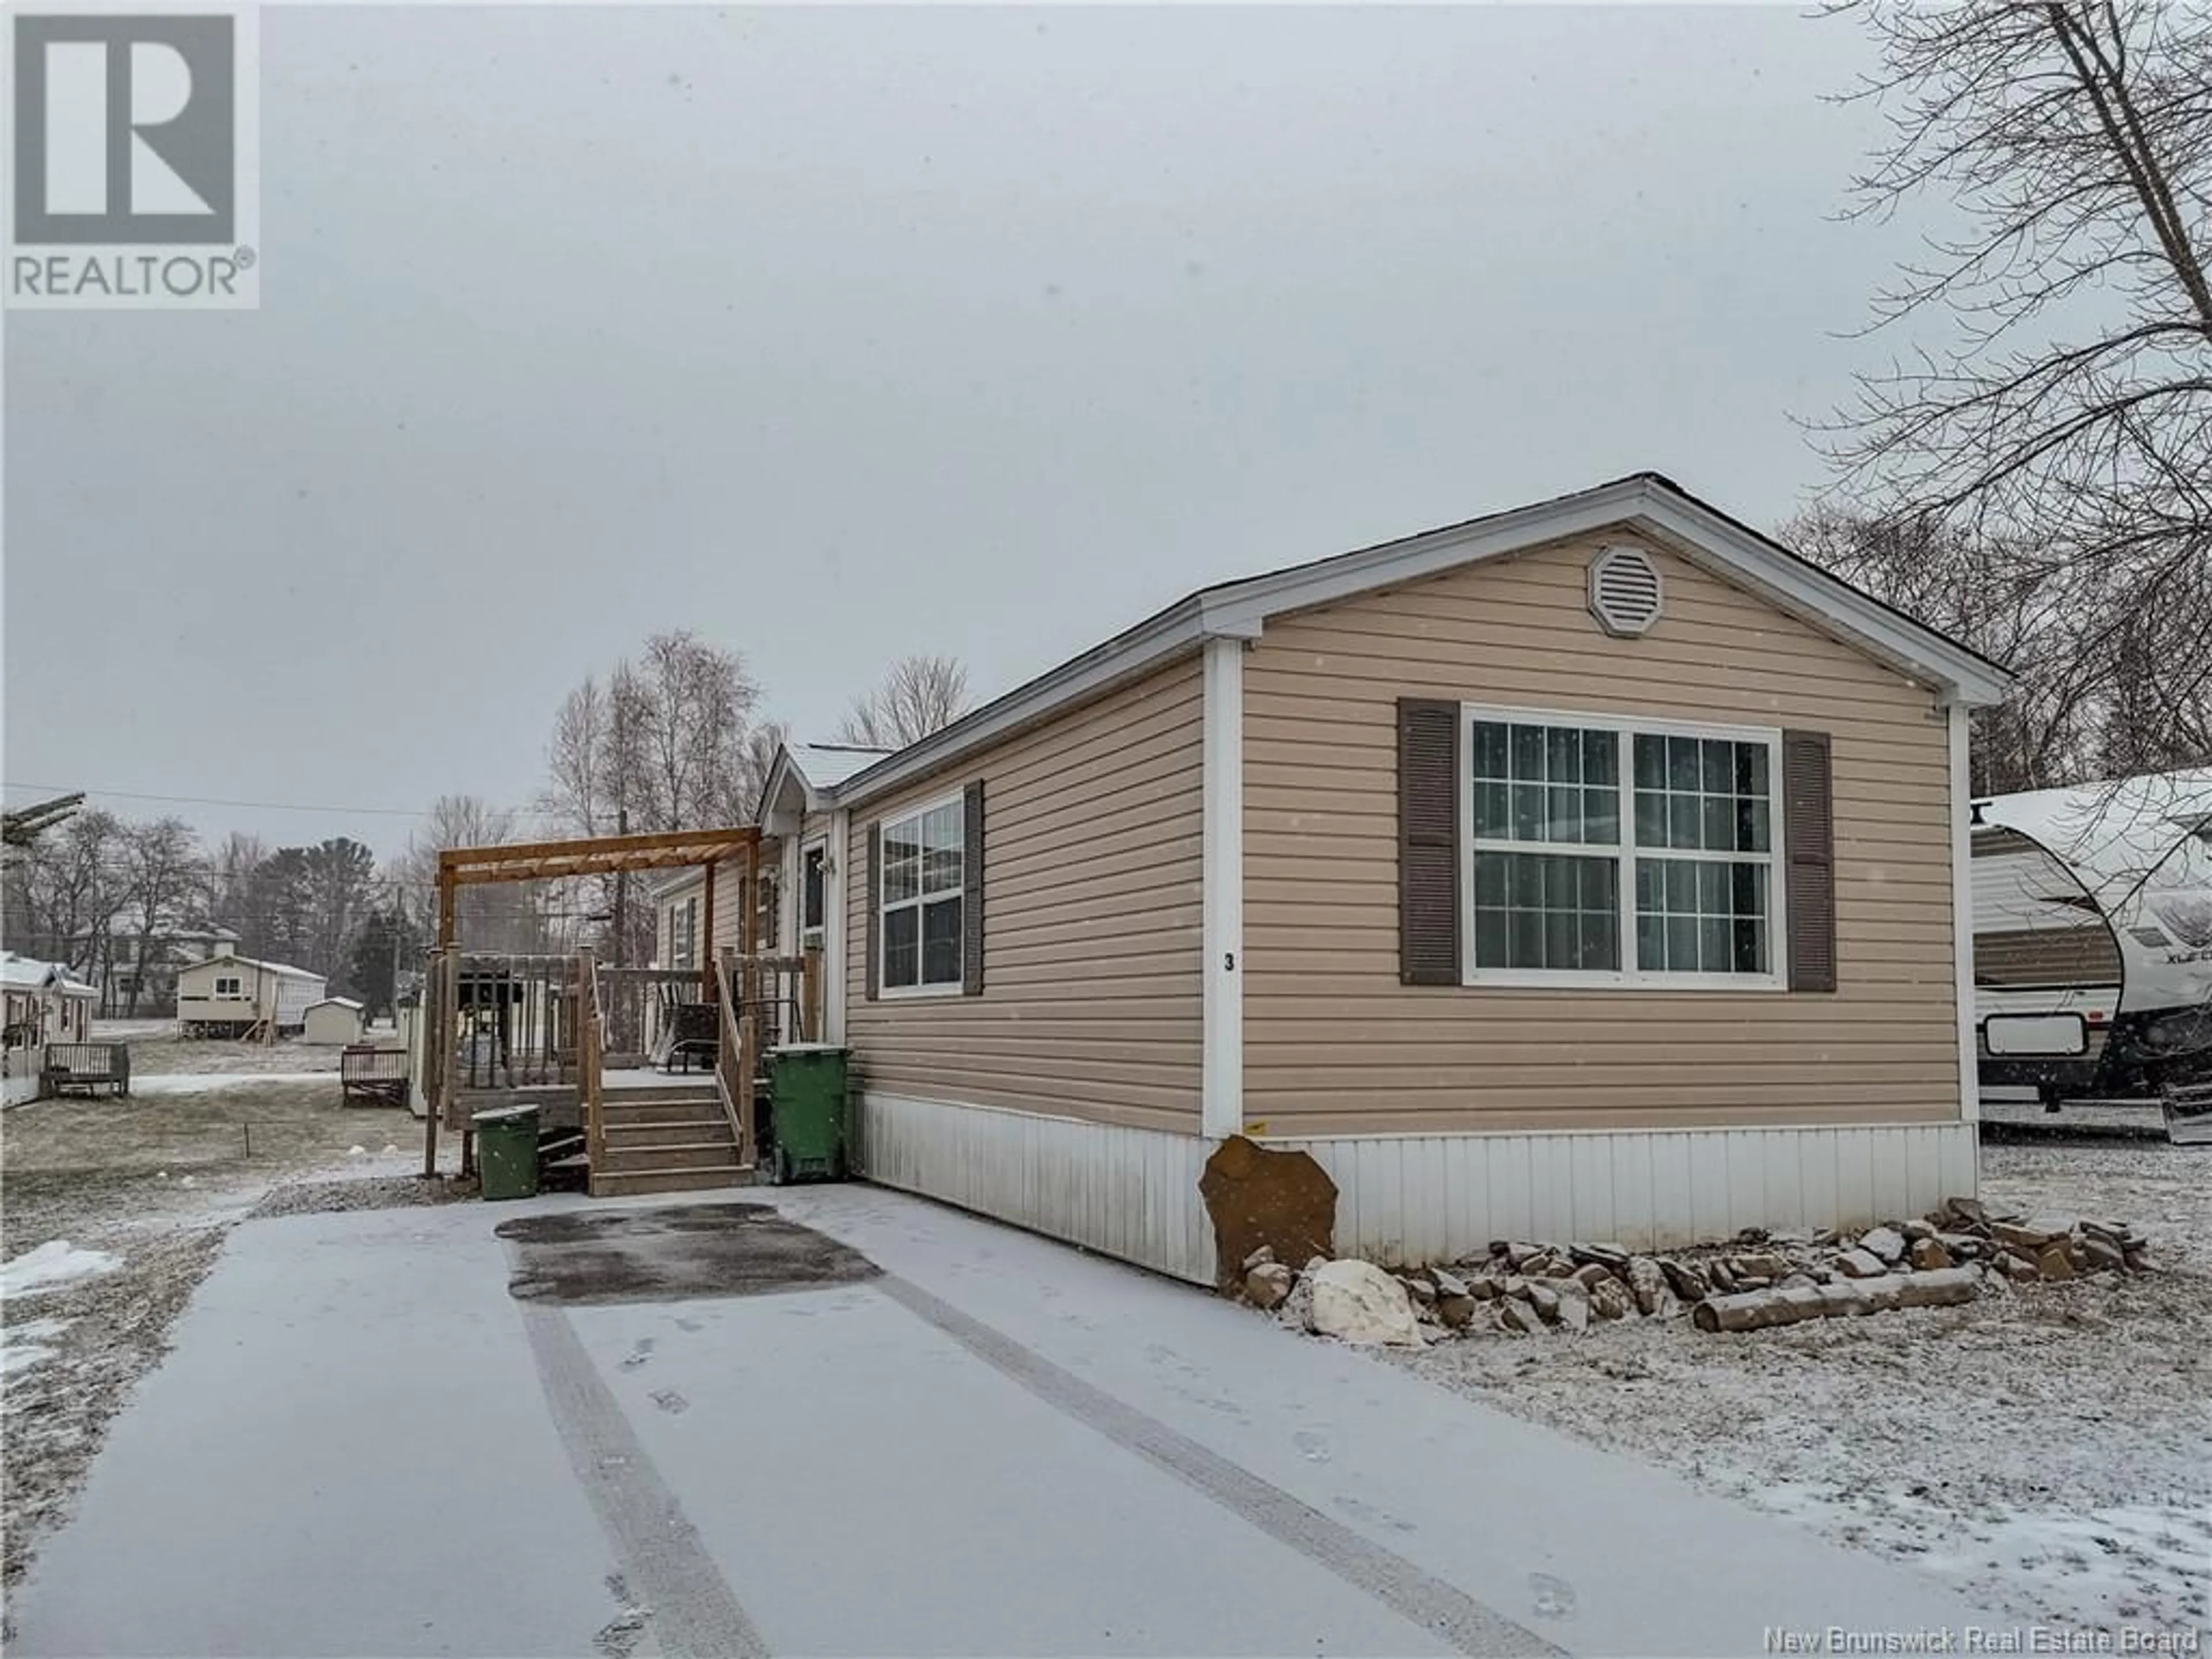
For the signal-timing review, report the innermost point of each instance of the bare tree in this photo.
(920, 695)
(1987, 594)
(2070, 418)
(755, 756)
(505, 917)
(577, 760)
(165, 884)
(69, 888)
(698, 700)
(661, 745)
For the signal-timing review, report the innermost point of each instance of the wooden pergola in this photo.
(598, 855)
(595, 855)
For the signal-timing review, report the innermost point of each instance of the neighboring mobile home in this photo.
(39, 1003)
(1595, 869)
(231, 995)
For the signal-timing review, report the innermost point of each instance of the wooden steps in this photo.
(670, 1138)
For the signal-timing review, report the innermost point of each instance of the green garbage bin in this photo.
(506, 1151)
(806, 1112)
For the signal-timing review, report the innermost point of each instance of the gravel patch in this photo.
(2045, 1451)
(376, 1193)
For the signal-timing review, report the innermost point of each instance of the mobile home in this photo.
(1597, 870)
(231, 995)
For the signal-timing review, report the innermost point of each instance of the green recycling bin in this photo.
(506, 1151)
(806, 1112)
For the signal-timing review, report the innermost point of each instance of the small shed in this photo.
(334, 1019)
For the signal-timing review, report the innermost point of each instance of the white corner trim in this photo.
(1221, 864)
(1962, 910)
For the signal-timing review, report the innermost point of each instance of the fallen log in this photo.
(1788, 1304)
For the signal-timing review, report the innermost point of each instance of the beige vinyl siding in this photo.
(729, 905)
(665, 932)
(1335, 1045)
(1090, 1006)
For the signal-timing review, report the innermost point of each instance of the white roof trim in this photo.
(339, 1002)
(1173, 633)
(232, 958)
(782, 772)
(1679, 522)
(1645, 504)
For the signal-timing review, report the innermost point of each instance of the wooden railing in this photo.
(736, 1057)
(590, 1054)
(632, 1002)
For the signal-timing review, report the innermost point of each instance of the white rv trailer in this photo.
(2093, 937)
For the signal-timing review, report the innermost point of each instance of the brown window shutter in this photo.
(1808, 845)
(875, 909)
(1428, 842)
(971, 901)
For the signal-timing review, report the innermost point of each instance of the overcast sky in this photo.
(837, 334)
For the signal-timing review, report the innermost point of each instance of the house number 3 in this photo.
(1229, 960)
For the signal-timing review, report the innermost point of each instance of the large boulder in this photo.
(1358, 1301)
(1280, 1201)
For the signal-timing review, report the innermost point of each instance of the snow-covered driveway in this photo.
(363, 1444)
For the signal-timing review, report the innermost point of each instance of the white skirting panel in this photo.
(1131, 1194)
(1405, 1200)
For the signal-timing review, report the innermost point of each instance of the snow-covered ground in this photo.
(2049, 1453)
(55, 1262)
(115, 1210)
(200, 1083)
(162, 1052)
(1000, 1446)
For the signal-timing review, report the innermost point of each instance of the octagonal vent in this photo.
(1623, 591)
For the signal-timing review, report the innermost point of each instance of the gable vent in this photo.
(1623, 591)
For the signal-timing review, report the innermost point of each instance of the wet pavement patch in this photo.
(672, 1254)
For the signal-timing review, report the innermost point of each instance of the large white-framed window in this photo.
(1603, 850)
(229, 989)
(923, 884)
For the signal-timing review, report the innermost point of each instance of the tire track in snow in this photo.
(691, 1612)
(1406, 1589)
